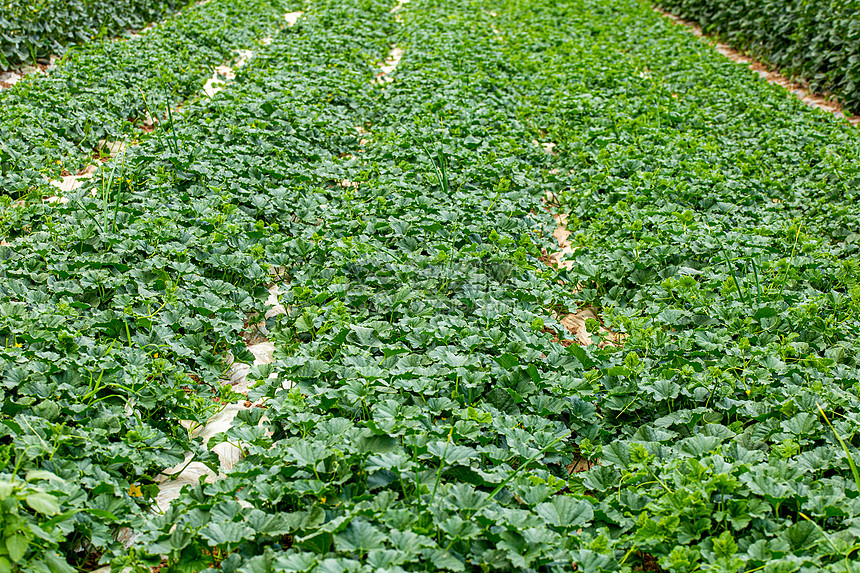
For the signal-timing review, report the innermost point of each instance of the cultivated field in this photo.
(440, 285)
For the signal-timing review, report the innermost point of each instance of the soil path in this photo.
(824, 102)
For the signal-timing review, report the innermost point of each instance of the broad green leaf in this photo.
(57, 564)
(442, 560)
(43, 503)
(16, 545)
(226, 533)
(363, 336)
(802, 535)
(359, 536)
(565, 511)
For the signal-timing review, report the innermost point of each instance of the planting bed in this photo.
(37, 29)
(816, 42)
(331, 292)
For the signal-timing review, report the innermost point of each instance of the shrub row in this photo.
(817, 42)
(34, 30)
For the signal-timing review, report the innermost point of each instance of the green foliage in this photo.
(36, 29)
(30, 516)
(106, 90)
(426, 410)
(817, 42)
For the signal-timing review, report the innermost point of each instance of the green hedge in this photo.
(31, 29)
(814, 40)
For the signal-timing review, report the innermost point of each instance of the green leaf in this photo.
(363, 336)
(764, 312)
(802, 535)
(442, 560)
(359, 536)
(34, 475)
(305, 323)
(566, 511)
(451, 453)
(507, 361)
(617, 453)
(181, 537)
(671, 316)
(226, 533)
(57, 564)
(43, 503)
(601, 478)
(16, 545)
(376, 444)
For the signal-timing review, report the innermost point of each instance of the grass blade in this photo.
(844, 448)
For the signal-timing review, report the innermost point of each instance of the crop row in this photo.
(34, 30)
(88, 393)
(426, 409)
(817, 42)
(112, 90)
